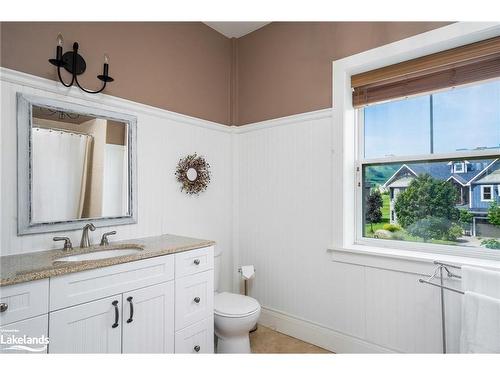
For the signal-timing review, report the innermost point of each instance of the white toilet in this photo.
(234, 315)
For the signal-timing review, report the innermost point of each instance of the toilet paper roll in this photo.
(247, 272)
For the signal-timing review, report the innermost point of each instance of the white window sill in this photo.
(402, 260)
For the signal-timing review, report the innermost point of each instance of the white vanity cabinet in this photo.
(161, 304)
(138, 321)
(194, 301)
(24, 311)
(33, 327)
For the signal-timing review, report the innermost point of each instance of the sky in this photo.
(464, 118)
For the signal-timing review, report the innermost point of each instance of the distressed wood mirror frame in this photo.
(25, 104)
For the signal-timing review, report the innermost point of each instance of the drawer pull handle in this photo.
(197, 299)
(117, 314)
(197, 348)
(3, 307)
(129, 320)
(196, 261)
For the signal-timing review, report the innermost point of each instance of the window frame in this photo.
(361, 162)
(491, 193)
(344, 133)
(462, 170)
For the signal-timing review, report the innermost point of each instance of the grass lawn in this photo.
(385, 207)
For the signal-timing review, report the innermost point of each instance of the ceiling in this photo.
(236, 29)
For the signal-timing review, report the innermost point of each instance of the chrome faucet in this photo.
(85, 242)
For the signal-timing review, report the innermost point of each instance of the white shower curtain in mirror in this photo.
(59, 174)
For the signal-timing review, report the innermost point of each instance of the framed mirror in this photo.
(75, 164)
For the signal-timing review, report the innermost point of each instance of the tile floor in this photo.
(265, 340)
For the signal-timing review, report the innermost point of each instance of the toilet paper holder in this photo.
(239, 269)
(245, 282)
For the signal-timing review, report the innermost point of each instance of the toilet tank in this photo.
(217, 268)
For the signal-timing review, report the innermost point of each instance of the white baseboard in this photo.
(317, 334)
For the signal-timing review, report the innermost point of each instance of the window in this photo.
(429, 165)
(486, 193)
(458, 167)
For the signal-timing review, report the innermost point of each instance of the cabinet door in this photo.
(93, 327)
(148, 319)
(197, 338)
(194, 298)
(33, 328)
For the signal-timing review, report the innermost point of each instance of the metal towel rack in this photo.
(439, 271)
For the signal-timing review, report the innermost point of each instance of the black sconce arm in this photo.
(89, 91)
(74, 63)
(61, 79)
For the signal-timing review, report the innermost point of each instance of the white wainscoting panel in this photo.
(401, 313)
(287, 174)
(285, 213)
(163, 138)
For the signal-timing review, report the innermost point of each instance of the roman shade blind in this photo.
(473, 62)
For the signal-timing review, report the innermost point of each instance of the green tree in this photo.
(426, 208)
(465, 219)
(494, 214)
(465, 216)
(374, 204)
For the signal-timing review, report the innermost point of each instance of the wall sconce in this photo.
(74, 63)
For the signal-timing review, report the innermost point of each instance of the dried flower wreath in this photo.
(193, 172)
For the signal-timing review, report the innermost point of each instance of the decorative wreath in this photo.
(193, 172)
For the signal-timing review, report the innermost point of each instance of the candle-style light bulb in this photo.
(106, 58)
(60, 40)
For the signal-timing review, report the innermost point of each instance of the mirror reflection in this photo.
(79, 166)
(191, 174)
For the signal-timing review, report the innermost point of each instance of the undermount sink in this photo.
(96, 255)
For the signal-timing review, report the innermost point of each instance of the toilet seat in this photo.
(233, 305)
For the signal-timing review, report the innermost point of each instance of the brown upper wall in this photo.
(187, 67)
(285, 68)
(180, 66)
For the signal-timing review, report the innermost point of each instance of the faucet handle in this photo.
(104, 238)
(67, 242)
(89, 226)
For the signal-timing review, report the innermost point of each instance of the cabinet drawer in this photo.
(194, 298)
(194, 261)
(36, 327)
(80, 287)
(24, 300)
(197, 338)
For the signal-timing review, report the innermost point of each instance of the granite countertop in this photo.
(21, 268)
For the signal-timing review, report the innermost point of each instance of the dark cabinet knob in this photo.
(197, 299)
(3, 307)
(196, 261)
(197, 348)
